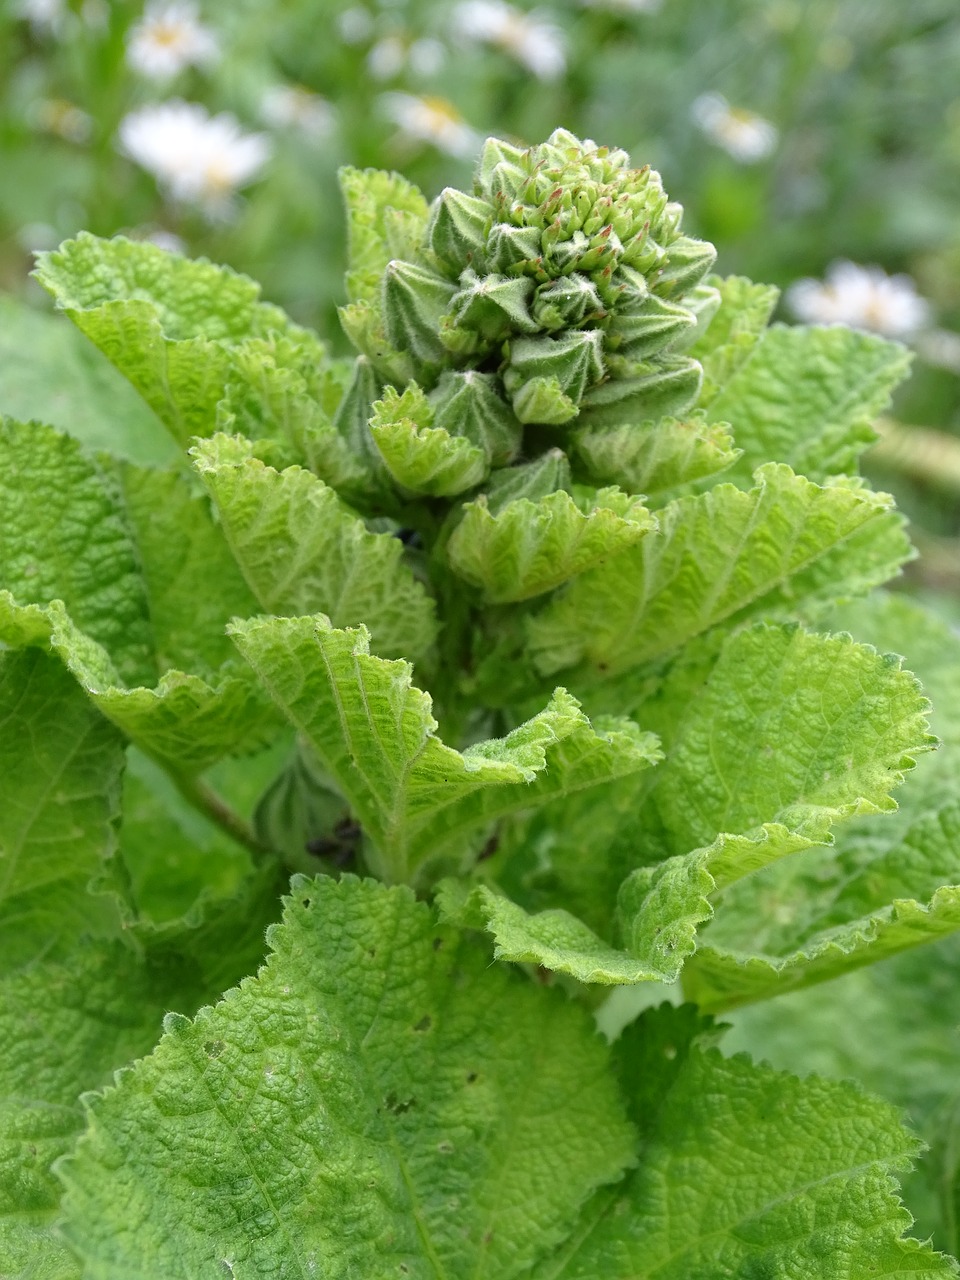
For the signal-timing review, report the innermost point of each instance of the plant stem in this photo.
(922, 452)
(204, 798)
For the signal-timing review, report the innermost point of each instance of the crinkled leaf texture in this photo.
(720, 558)
(171, 325)
(302, 551)
(375, 1102)
(122, 571)
(789, 733)
(745, 1171)
(374, 733)
(808, 397)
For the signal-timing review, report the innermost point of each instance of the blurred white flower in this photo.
(62, 118)
(389, 56)
(197, 158)
(624, 6)
(169, 38)
(940, 347)
(355, 25)
(431, 120)
(45, 16)
(36, 236)
(533, 41)
(164, 239)
(861, 297)
(745, 135)
(289, 106)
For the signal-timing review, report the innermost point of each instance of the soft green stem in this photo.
(206, 800)
(922, 452)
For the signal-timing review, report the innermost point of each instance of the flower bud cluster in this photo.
(566, 275)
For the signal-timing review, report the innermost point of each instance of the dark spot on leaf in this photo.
(445, 1148)
(425, 1023)
(398, 1106)
(437, 944)
(214, 1048)
(471, 1077)
(409, 538)
(306, 902)
(490, 848)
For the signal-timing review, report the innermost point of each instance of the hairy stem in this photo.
(214, 807)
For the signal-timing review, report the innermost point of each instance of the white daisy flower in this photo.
(535, 42)
(62, 118)
(861, 297)
(431, 120)
(355, 25)
(289, 106)
(164, 239)
(389, 56)
(45, 16)
(745, 135)
(169, 38)
(197, 158)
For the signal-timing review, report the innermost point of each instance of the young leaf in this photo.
(376, 203)
(528, 548)
(373, 732)
(807, 397)
(168, 324)
(655, 457)
(718, 558)
(746, 1171)
(733, 332)
(301, 550)
(331, 1151)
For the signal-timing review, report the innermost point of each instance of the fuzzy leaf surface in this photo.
(528, 548)
(374, 733)
(374, 199)
(654, 457)
(167, 323)
(807, 397)
(792, 733)
(328, 1150)
(302, 551)
(718, 558)
(732, 335)
(746, 1171)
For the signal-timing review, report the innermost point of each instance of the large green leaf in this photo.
(303, 551)
(284, 1133)
(382, 210)
(746, 1171)
(718, 558)
(169, 324)
(374, 733)
(807, 397)
(792, 733)
(60, 773)
(123, 572)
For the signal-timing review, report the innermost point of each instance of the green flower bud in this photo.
(513, 249)
(363, 325)
(566, 303)
(414, 299)
(687, 263)
(458, 229)
(532, 480)
(648, 327)
(543, 400)
(469, 404)
(492, 306)
(668, 387)
(574, 360)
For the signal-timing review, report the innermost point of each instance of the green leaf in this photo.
(148, 584)
(302, 550)
(329, 1150)
(169, 324)
(429, 460)
(376, 202)
(374, 734)
(808, 396)
(746, 1171)
(51, 373)
(792, 733)
(657, 456)
(733, 332)
(60, 763)
(719, 558)
(528, 548)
